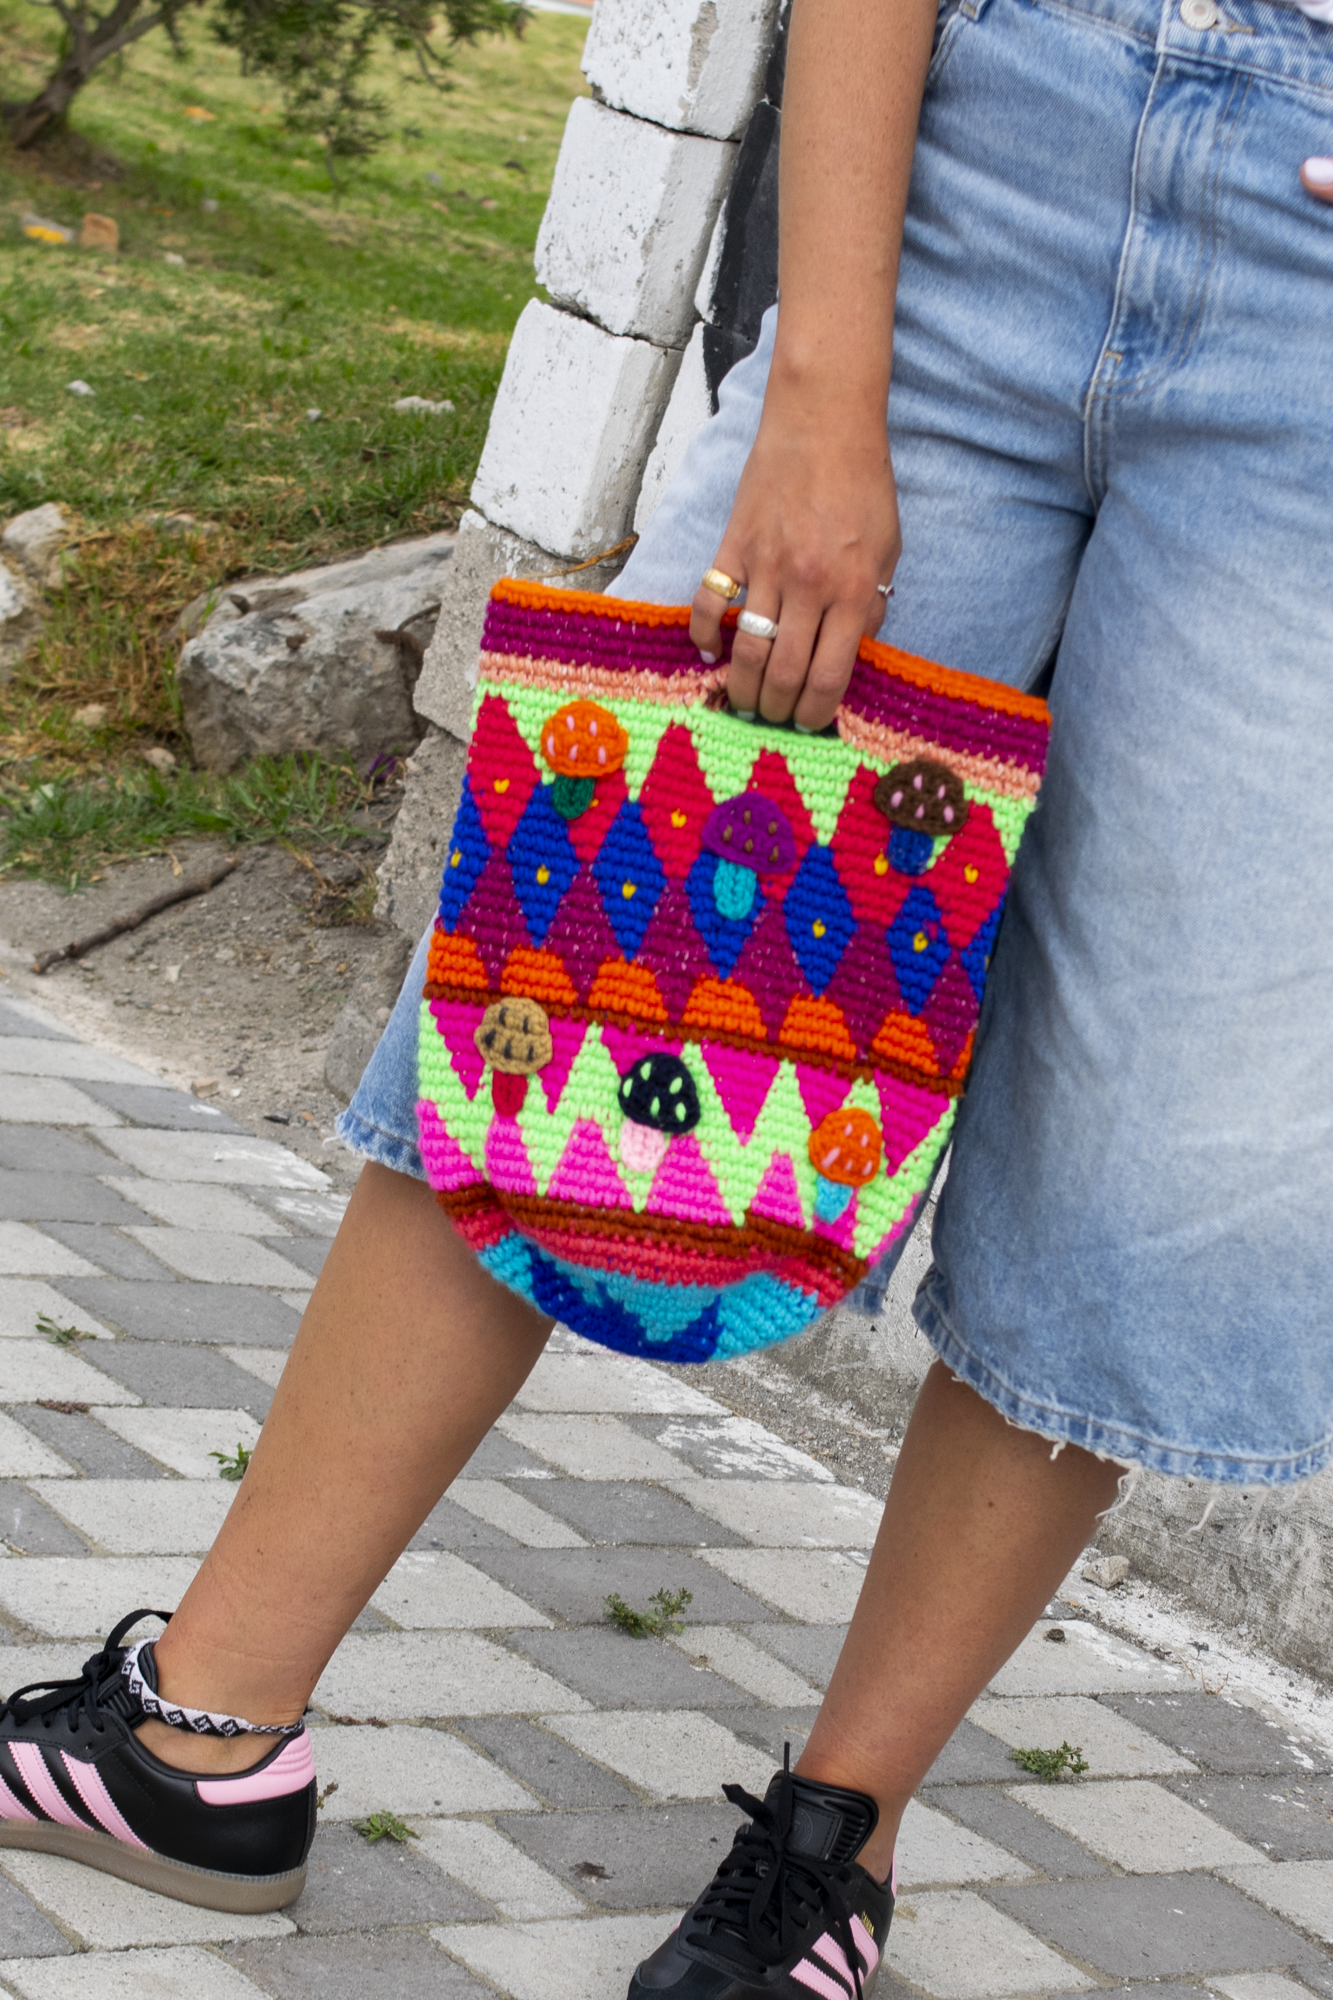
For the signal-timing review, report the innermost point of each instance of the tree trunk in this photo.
(125, 23)
(52, 100)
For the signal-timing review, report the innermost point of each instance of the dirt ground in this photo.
(235, 992)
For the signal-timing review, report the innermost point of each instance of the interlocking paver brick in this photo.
(353, 1885)
(24, 1300)
(190, 1206)
(743, 1663)
(86, 1444)
(957, 1947)
(31, 1528)
(1156, 1926)
(109, 1254)
(818, 1586)
(591, 1447)
(185, 1439)
(1289, 1819)
(22, 1455)
(1085, 1660)
(593, 1383)
(430, 1589)
(24, 1931)
(33, 1370)
(1220, 1735)
(399, 1674)
(163, 1110)
(498, 1457)
(140, 1517)
(414, 1770)
(181, 1972)
(31, 1021)
(551, 1768)
(307, 1252)
(1256, 1986)
(481, 1858)
(1141, 1827)
(788, 1514)
(809, 1650)
(612, 1669)
(515, 1515)
(33, 1149)
(216, 1257)
(933, 1851)
(672, 1755)
(266, 1363)
(1299, 1890)
(726, 1447)
(647, 1855)
(32, 1100)
(238, 1314)
(193, 1377)
(610, 1511)
(108, 1914)
(574, 1584)
(68, 1597)
(34, 1197)
(26, 1252)
(768, 1730)
(1113, 1747)
(577, 1958)
(213, 1157)
(448, 1526)
(1008, 1823)
(972, 1756)
(319, 1213)
(43, 1056)
(403, 1965)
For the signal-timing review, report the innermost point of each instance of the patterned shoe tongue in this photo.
(827, 1822)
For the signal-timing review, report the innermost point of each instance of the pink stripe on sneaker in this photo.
(9, 1805)
(865, 1944)
(90, 1785)
(291, 1770)
(33, 1771)
(819, 1982)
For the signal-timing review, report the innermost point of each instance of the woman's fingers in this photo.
(707, 607)
(840, 634)
(1317, 178)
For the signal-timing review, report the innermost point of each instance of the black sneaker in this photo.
(788, 1914)
(75, 1780)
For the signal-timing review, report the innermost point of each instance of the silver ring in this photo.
(757, 627)
(884, 589)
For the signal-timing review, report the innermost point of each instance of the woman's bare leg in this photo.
(981, 1526)
(407, 1354)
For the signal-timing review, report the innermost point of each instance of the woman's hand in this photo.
(813, 532)
(1317, 178)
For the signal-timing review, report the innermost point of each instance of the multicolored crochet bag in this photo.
(701, 994)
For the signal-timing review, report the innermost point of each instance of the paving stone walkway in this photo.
(562, 1779)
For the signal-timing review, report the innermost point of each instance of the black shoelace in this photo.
(77, 1702)
(769, 1900)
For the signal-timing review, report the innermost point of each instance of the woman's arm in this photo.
(815, 524)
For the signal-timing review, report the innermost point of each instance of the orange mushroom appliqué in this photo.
(845, 1151)
(581, 742)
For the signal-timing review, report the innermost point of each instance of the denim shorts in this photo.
(1112, 428)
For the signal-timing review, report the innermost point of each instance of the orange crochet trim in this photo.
(719, 1005)
(819, 1025)
(948, 681)
(537, 975)
(627, 989)
(455, 961)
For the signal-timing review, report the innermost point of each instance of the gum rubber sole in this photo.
(207, 1888)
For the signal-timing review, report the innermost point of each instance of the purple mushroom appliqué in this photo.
(750, 837)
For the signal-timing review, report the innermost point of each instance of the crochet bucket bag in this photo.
(701, 995)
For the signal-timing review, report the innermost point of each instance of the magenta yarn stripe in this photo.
(578, 639)
(953, 723)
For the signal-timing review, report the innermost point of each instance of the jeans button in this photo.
(1199, 15)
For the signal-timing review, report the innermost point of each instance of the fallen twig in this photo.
(81, 946)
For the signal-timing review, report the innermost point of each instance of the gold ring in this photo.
(720, 584)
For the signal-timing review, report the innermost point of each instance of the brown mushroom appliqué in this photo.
(514, 1037)
(845, 1150)
(750, 837)
(923, 801)
(660, 1100)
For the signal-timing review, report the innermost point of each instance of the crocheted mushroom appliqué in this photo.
(845, 1151)
(581, 742)
(750, 837)
(514, 1037)
(660, 1100)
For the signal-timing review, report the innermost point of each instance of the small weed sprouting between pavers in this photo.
(661, 1618)
(327, 1793)
(232, 1464)
(385, 1826)
(62, 1336)
(1052, 1764)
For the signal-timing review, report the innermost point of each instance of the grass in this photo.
(232, 1464)
(292, 297)
(660, 1619)
(1052, 1764)
(385, 1825)
(60, 1336)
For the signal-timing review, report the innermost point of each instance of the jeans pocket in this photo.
(949, 25)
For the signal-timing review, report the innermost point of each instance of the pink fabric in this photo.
(777, 1196)
(821, 1091)
(819, 1982)
(33, 1771)
(586, 1172)
(458, 1021)
(91, 1788)
(742, 1080)
(10, 1807)
(291, 1770)
(685, 1186)
(447, 1165)
(566, 1041)
(507, 1163)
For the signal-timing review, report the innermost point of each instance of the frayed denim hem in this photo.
(1104, 1440)
(387, 1149)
